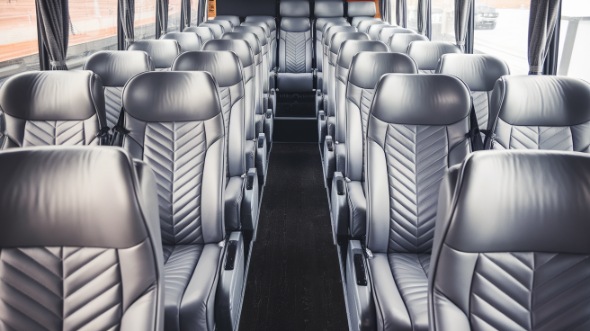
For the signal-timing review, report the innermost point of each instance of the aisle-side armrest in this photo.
(357, 204)
(358, 284)
(339, 201)
(230, 289)
(234, 194)
(251, 202)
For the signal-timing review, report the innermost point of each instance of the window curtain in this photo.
(186, 15)
(127, 18)
(462, 10)
(54, 19)
(400, 13)
(421, 15)
(542, 21)
(162, 16)
(383, 10)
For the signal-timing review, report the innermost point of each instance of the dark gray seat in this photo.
(295, 48)
(514, 255)
(325, 12)
(215, 28)
(417, 129)
(359, 11)
(540, 112)
(187, 41)
(204, 33)
(115, 68)
(427, 54)
(272, 24)
(79, 240)
(233, 19)
(400, 41)
(387, 32)
(180, 134)
(47, 108)
(162, 52)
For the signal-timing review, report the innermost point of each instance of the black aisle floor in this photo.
(294, 278)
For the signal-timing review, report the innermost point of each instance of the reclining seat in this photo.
(365, 25)
(180, 134)
(226, 25)
(255, 145)
(522, 264)
(427, 54)
(204, 33)
(67, 262)
(325, 12)
(375, 30)
(272, 24)
(49, 108)
(360, 11)
(347, 194)
(162, 52)
(115, 68)
(217, 29)
(233, 19)
(417, 129)
(295, 48)
(401, 41)
(540, 112)
(480, 73)
(187, 41)
(388, 32)
(334, 150)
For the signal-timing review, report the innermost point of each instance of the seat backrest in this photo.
(272, 24)
(347, 51)
(263, 38)
(226, 25)
(204, 33)
(540, 112)
(115, 68)
(215, 28)
(326, 12)
(295, 43)
(180, 134)
(328, 70)
(233, 19)
(375, 30)
(511, 245)
(480, 73)
(244, 52)
(360, 10)
(364, 25)
(79, 241)
(162, 52)
(388, 31)
(417, 129)
(400, 41)
(187, 41)
(46, 108)
(427, 54)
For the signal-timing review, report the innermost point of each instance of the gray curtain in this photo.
(383, 10)
(400, 13)
(162, 16)
(55, 23)
(127, 18)
(541, 26)
(186, 14)
(462, 10)
(421, 15)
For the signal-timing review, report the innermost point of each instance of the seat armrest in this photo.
(357, 204)
(340, 156)
(261, 158)
(268, 126)
(234, 194)
(250, 153)
(230, 289)
(329, 161)
(251, 202)
(322, 127)
(319, 101)
(339, 207)
(358, 284)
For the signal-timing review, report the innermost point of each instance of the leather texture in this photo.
(375, 30)
(295, 45)
(364, 25)
(52, 108)
(187, 41)
(272, 24)
(427, 54)
(519, 261)
(328, 9)
(216, 29)
(548, 112)
(320, 24)
(400, 41)
(328, 70)
(226, 25)
(233, 19)
(204, 33)
(294, 9)
(162, 52)
(389, 31)
(361, 8)
(62, 267)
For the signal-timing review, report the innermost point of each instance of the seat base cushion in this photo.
(295, 82)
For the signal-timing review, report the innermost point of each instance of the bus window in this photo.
(18, 41)
(93, 27)
(174, 7)
(194, 12)
(501, 29)
(145, 19)
(574, 49)
(412, 10)
(443, 20)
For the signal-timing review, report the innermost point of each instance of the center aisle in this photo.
(294, 278)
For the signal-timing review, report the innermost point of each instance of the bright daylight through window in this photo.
(574, 44)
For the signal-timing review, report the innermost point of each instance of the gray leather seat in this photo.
(226, 25)
(204, 33)
(162, 52)
(216, 29)
(400, 41)
(187, 41)
(514, 255)
(325, 12)
(540, 112)
(388, 32)
(295, 48)
(360, 11)
(270, 52)
(427, 54)
(79, 240)
(365, 25)
(272, 24)
(347, 194)
(233, 19)
(180, 134)
(47, 108)
(115, 68)
(417, 129)
(375, 30)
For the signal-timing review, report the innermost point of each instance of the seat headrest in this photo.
(224, 65)
(368, 67)
(234, 20)
(294, 9)
(70, 196)
(364, 26)
(53, 96)
(388, 31)
(421, 99)
(375, 30)
(328, 9)
(172, 96)
(216, 29)
(521, 201)
(350, 48)
(294, 24)
(333, 29)
(258, 31)
(478, 71)
(541, 100)
(240, 47)
(226, 25)
(340, 37)
(115, 68)
(401, 41)
(361, 8)
(249, 37)
(203, 32)
(187, 41)
(263, 25)
(261, 18)
(162, 52)
(427, 53)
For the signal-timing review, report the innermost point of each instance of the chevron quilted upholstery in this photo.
(295, 53)
(113, 104)
(562, 138)
(43, 133)
(481, 106)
